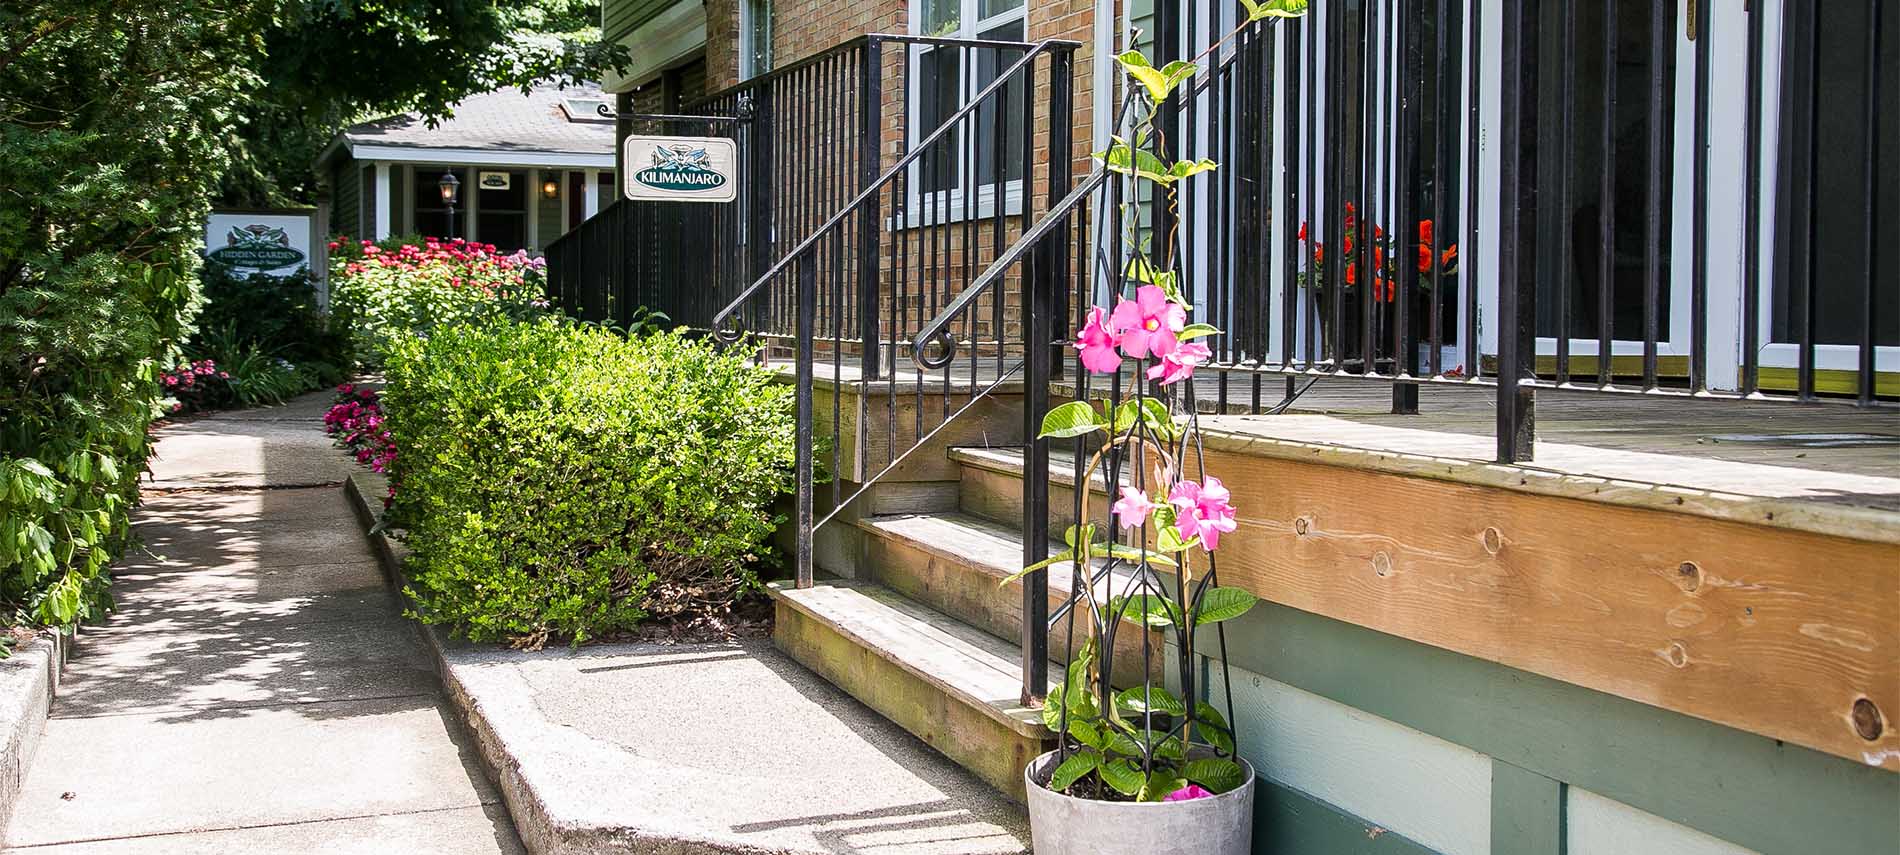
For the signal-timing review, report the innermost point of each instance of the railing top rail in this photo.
(860, 41)
(916, 151)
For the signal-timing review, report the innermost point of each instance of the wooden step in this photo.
(954, 686)
(955, 562)
(991, 486)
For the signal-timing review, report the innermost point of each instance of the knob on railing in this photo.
(946, 352)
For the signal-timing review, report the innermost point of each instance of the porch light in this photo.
(449, 184)
(551, 189)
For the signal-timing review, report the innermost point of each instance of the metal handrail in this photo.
(1055, 217)
(1034, 50)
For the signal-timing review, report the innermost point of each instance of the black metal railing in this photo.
(1591, 280)
(888, 251)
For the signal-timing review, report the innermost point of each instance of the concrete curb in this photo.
(29, 680)
(542, 826)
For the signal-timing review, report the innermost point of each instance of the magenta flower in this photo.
(1177, 362)
(1149, 322)
(1097, 340)
(1133, 508)
(1202, 510)
(1191, 791)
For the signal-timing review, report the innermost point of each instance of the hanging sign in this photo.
(680, 169)
(494, 180)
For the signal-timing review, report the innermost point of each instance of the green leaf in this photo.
(1085, 733)
(1215, 773)
(1159, 82)
(1143, 699)
(1058, 558)
(1219, 604)
(1161, 784)
(1078, 534)
(1080, 763)
(1121, 776)
(1262, 9)
(1148, 609)
(1154, 415)
(1168, 538)
(1140, 270)
(1211, 728)
(1189, 168)
(1193, 331)
(1135, 554)
(1075, 418)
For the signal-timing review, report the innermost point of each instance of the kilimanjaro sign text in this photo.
(680, 169)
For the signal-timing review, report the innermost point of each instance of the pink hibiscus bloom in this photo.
(1133, 508)
(1149, 322)
(1177, 362)
(1097, 340)
(1202, 510)
(1191, 791)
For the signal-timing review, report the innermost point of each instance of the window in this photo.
(945, 78)
(755, 38)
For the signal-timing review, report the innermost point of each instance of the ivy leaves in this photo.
(1260, 10)
(1142, 163)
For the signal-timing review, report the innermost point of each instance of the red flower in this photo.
(1302, 232)
(1424, 258)
(1352, 274)
(1425, 232)
(1319, 253)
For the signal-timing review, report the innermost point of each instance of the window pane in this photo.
(990, 8)
(939, 72)
(759, 15)
(942, 17)
(1007, 102)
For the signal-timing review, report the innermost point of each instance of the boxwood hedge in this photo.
(560, 480)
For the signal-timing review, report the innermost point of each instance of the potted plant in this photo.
(1144, 768)
(1370, 243)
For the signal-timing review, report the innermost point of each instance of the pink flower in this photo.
(1097, 341)
(1133, 508)
(1191, 791)
(1201, 510)
(1148, 322)
(1177, 362)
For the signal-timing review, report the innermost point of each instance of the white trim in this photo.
(590, 195)
(1829, 357)
(384, 204)
(567, 213)
(944, 207)
(673, 35)
(471, 204)
(534, 209)
(482, 157)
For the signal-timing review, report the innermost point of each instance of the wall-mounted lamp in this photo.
(551, 189)
(448, 185)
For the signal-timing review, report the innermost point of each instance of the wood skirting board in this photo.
(1789, 634)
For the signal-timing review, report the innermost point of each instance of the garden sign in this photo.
(680, 169)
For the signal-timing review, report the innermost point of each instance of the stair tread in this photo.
(976, 542)
(1009, 460)
(971, 665)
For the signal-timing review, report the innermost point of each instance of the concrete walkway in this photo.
(258, 690)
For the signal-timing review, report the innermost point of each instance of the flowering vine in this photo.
(1142, 742)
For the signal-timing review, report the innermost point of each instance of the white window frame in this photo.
(747, 49)
(940, 207)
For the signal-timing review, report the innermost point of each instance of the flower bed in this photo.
(387, 292)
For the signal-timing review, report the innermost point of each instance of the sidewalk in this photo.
(258, 690)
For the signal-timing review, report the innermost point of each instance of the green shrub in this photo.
(276, 316)
(558, 480)
(389, 292)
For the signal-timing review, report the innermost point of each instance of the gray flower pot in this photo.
(1065, 825)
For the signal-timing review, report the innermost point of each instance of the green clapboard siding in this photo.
(346, 200)
(1527, 812)
(1774, 798)
(620, 17)
(1289, 822)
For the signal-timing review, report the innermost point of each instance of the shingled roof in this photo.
(504, 120)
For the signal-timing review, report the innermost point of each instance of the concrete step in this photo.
(952, 685)
(954, 563)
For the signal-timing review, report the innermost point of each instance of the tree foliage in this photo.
(329, 63)
(114, 116)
